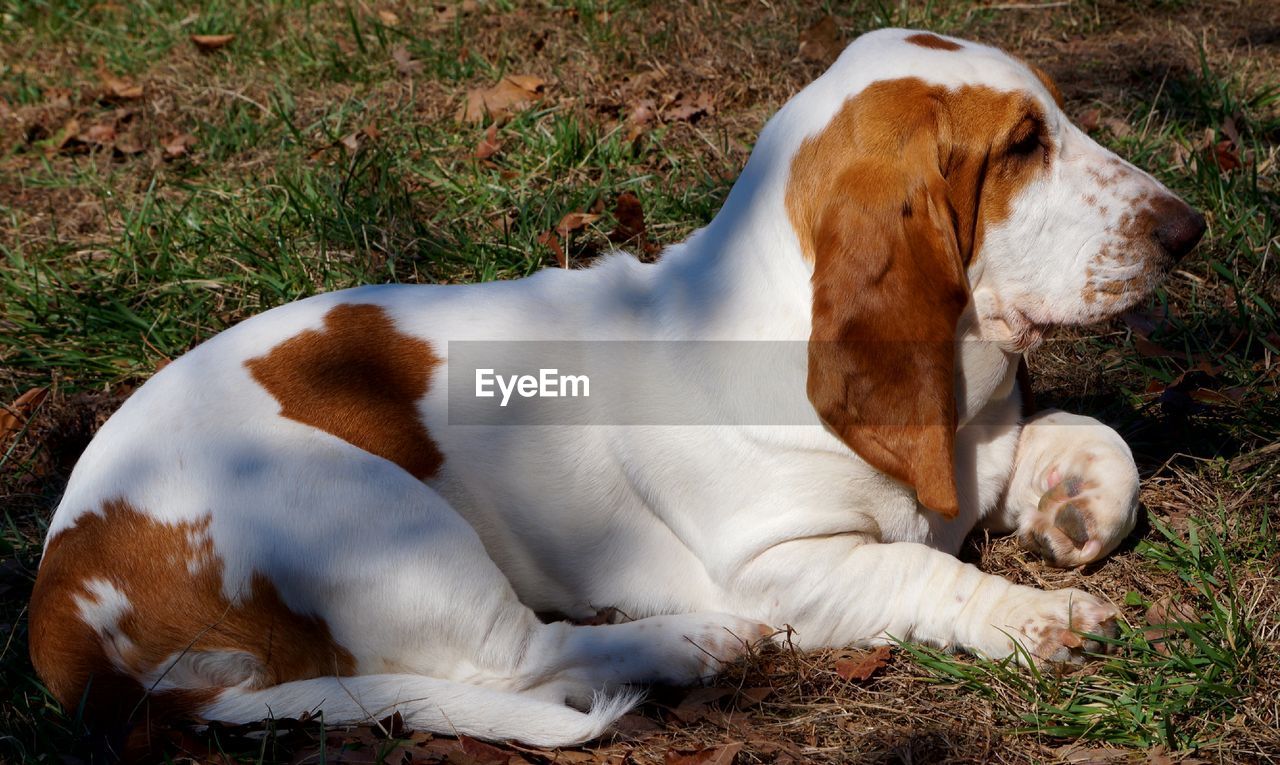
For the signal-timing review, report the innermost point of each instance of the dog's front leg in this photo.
(1073, 495)
(845, 590)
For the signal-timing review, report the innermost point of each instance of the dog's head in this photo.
(936, 173)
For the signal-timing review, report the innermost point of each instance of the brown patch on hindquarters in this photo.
(172, 578)
(359, 379)
(890, 203)
(928, 40)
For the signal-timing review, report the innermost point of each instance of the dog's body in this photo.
(285, 519)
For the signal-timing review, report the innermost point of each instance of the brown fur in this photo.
(1048, 83)
(926, 40)
(172, 577)
(890, 203)
(359, 379)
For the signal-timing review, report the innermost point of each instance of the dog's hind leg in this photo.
(406, 585)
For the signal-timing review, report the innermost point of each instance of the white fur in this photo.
(432, 587)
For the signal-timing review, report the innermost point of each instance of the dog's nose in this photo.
(1178, 227)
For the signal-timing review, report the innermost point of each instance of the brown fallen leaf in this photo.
(821, 41)
(1231, 130)
(640, 118)
(698, 704)
(552, 242)
(862, 667)
(482, 753)
(391, 726)
(629, 213)
(178, 145)
(489, 144)
(128, 144)
(512, 93)
(1118, 127)
(575, 221)
(1089, 120)
(1224, 156)
(719, 755)
(99, 134)
(14, 417)
(118, 88)
(1083, 755)
(63, 138)
(688, 108)
(749, 697)
(404, 61)
(209, 43)
(1163, 618)
(1167, 611)
(389, 18)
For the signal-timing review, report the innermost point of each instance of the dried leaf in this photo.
(389, 18)
(1224, 156)
(630, 216)
(1231, 131)
(404, 62)
(64, 137)
(688, 108)
(99, 134)
(209, 43)
(821, 42)
(575, 221)
(1082, 755)
(1150, 349)
(513, 93)
(749, 697)
(489, 144)
(720, 755)
(482, 753)
(862, 667)
(14, 416)
(391, 726)
(1118, 128)
(1089, 120)
(696, 705)
(178, 145)
(128, 144)
(549, 240)
(118, 88)
(1163, 616)
(1167, 611)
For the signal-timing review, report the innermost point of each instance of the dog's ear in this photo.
(888, 291)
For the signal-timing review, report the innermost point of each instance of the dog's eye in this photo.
(1028, 141)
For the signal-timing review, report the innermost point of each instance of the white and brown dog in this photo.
(285, 520)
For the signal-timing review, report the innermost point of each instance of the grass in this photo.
(321, 161)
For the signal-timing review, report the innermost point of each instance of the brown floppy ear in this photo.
(888, 290)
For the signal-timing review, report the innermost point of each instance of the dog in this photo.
(289, 520)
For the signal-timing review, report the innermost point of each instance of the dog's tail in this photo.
(427, 704)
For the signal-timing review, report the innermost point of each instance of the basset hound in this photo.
(291, 518)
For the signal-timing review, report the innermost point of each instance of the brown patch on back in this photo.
(172, 578)
(890, 202)
(927, 40)
(359, 379)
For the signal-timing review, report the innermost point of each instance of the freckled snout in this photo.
(1178, 227)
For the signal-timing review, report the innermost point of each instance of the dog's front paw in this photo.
(1088, 505)
(1053, 627)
